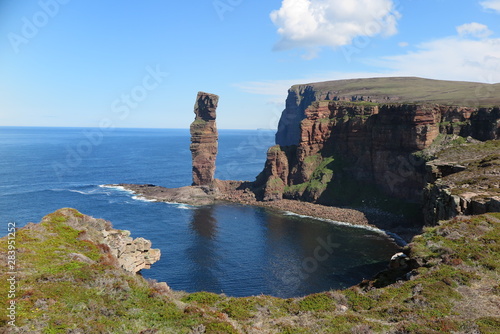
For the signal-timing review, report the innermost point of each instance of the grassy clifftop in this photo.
(413, 89)
(68, 285)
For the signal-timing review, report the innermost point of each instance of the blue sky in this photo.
(141, 63)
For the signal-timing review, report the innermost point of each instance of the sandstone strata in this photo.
(361, 138)
(204, 137)
(366, 142)
(131, 254)
(346, 145)
(379, 90)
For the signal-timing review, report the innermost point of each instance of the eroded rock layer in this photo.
(369, 143)
(204, 139)
(380, 90)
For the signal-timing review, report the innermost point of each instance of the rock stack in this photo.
(204, 139)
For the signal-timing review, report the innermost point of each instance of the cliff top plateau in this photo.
(406, 90)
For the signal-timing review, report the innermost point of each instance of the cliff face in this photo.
(380, 90)
(204, 139)
(367, 143)
(300, 97)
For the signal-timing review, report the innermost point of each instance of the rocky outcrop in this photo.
(275, 174)
(463, 180)
(191, 195)
(130, 254)
(133, 255)
(204, 139)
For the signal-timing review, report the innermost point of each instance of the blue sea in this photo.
(224, 248)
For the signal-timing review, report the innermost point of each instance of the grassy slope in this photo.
(456, 289)
(412, 89)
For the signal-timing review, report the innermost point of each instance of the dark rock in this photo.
(192, 195)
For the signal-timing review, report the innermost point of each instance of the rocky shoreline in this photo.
(242, 193)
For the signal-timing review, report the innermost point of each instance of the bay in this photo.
(224, 248)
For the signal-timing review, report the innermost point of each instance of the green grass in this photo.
(455, 256)
(199, 122)
(325, 120)
(324, 188)
(239, 308)
(317, 302)
(57, 294)
(365, 103)
(220, 327)
(314, 159)
(412, 89)
(321, 175)
(274, 149)
(296, 189)
(488, 325)
(202, 298)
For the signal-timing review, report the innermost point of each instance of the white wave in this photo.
(130, 192)
(78, 192)
(143, 199)
(82, 192)
(58, 190)
(334, 222)
(90, 189)
(116, 187)
(391, 235)
(91, 192)
(183, 206)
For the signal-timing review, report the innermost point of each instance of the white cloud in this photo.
(474, 30)
(403, 44)
(491, 4)
(462, 57)
(315, 23)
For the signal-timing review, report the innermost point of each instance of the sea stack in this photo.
(204, 139)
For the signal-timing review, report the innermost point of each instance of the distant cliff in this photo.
(380, 90)
(353, 147)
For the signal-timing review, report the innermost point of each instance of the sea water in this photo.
(224, 248)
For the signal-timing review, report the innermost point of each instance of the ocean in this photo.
(224, 248)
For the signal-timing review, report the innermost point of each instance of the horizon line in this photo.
(122, 128)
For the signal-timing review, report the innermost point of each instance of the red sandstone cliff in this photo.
(204, 139)
(369, 143)
(399, 90)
